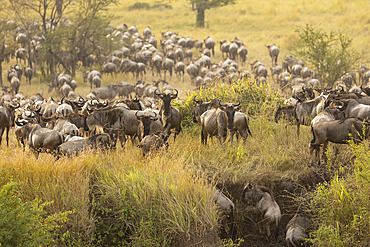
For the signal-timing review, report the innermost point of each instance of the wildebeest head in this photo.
(230, 109)
(166, 98)
(146, 118)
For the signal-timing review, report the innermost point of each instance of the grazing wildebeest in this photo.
(216, 122)
(153, 142)
(296, 231)
(262, 198)
(337, 131)
(171, 116)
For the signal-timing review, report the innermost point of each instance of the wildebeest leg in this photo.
(167, 129)
(298, 124)
(1, 135)
(203, 136)
(122, 140)
(7, 136)
(325, 148)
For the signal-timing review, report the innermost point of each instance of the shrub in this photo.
(139, 5)
(254, 99)
(22, 223)
(342, 205)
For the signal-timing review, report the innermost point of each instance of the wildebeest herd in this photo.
(143, 111)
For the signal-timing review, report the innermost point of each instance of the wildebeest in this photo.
(241, 123)
(296, 231)
(224, 48)
(209, 43)
(216, 122)
(262, 198)
(227, 208)
(109, 68)
(171, 116)
(307, 110)
(6, 119)
(338, 131)
(274, 53)
(149, 123)
(14, 85)
(28, 74)
(153, 142)
(103, 141)
(352, 108)
(41, 139)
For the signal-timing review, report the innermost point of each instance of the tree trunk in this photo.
(200, 14)
(1, 73)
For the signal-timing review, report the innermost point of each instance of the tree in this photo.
(329, 53)
(202, 5)
(7, 44)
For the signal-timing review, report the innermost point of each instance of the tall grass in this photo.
(341, 206)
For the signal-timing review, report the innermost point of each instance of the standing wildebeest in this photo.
(264, 201)
(171, 116)
(242, 53)
(180, 70)
(296, 231)
(233, 50)
(224, 48)
(109, 68)
(274, 53)
(14, 85)
(41, 139)
(307, 110)
(209, 43)
(352, 108)
(168, 65)
(149, 123)
(28, 74)
(241, 123)
(216, 122)
(6, 120)
(337, 131)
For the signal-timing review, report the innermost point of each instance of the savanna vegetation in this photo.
(120, 198)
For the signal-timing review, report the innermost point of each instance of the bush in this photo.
(254, 99)
(139, 5)
(22, 223)
(342, 206)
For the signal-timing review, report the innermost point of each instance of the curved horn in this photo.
(237, 104)
(62, 100)
(341, 104)
(177, 92)
(136, 114)
(196, 101)
(19, 123)
(219, 102)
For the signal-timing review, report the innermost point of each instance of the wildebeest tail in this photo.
(312, 143)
